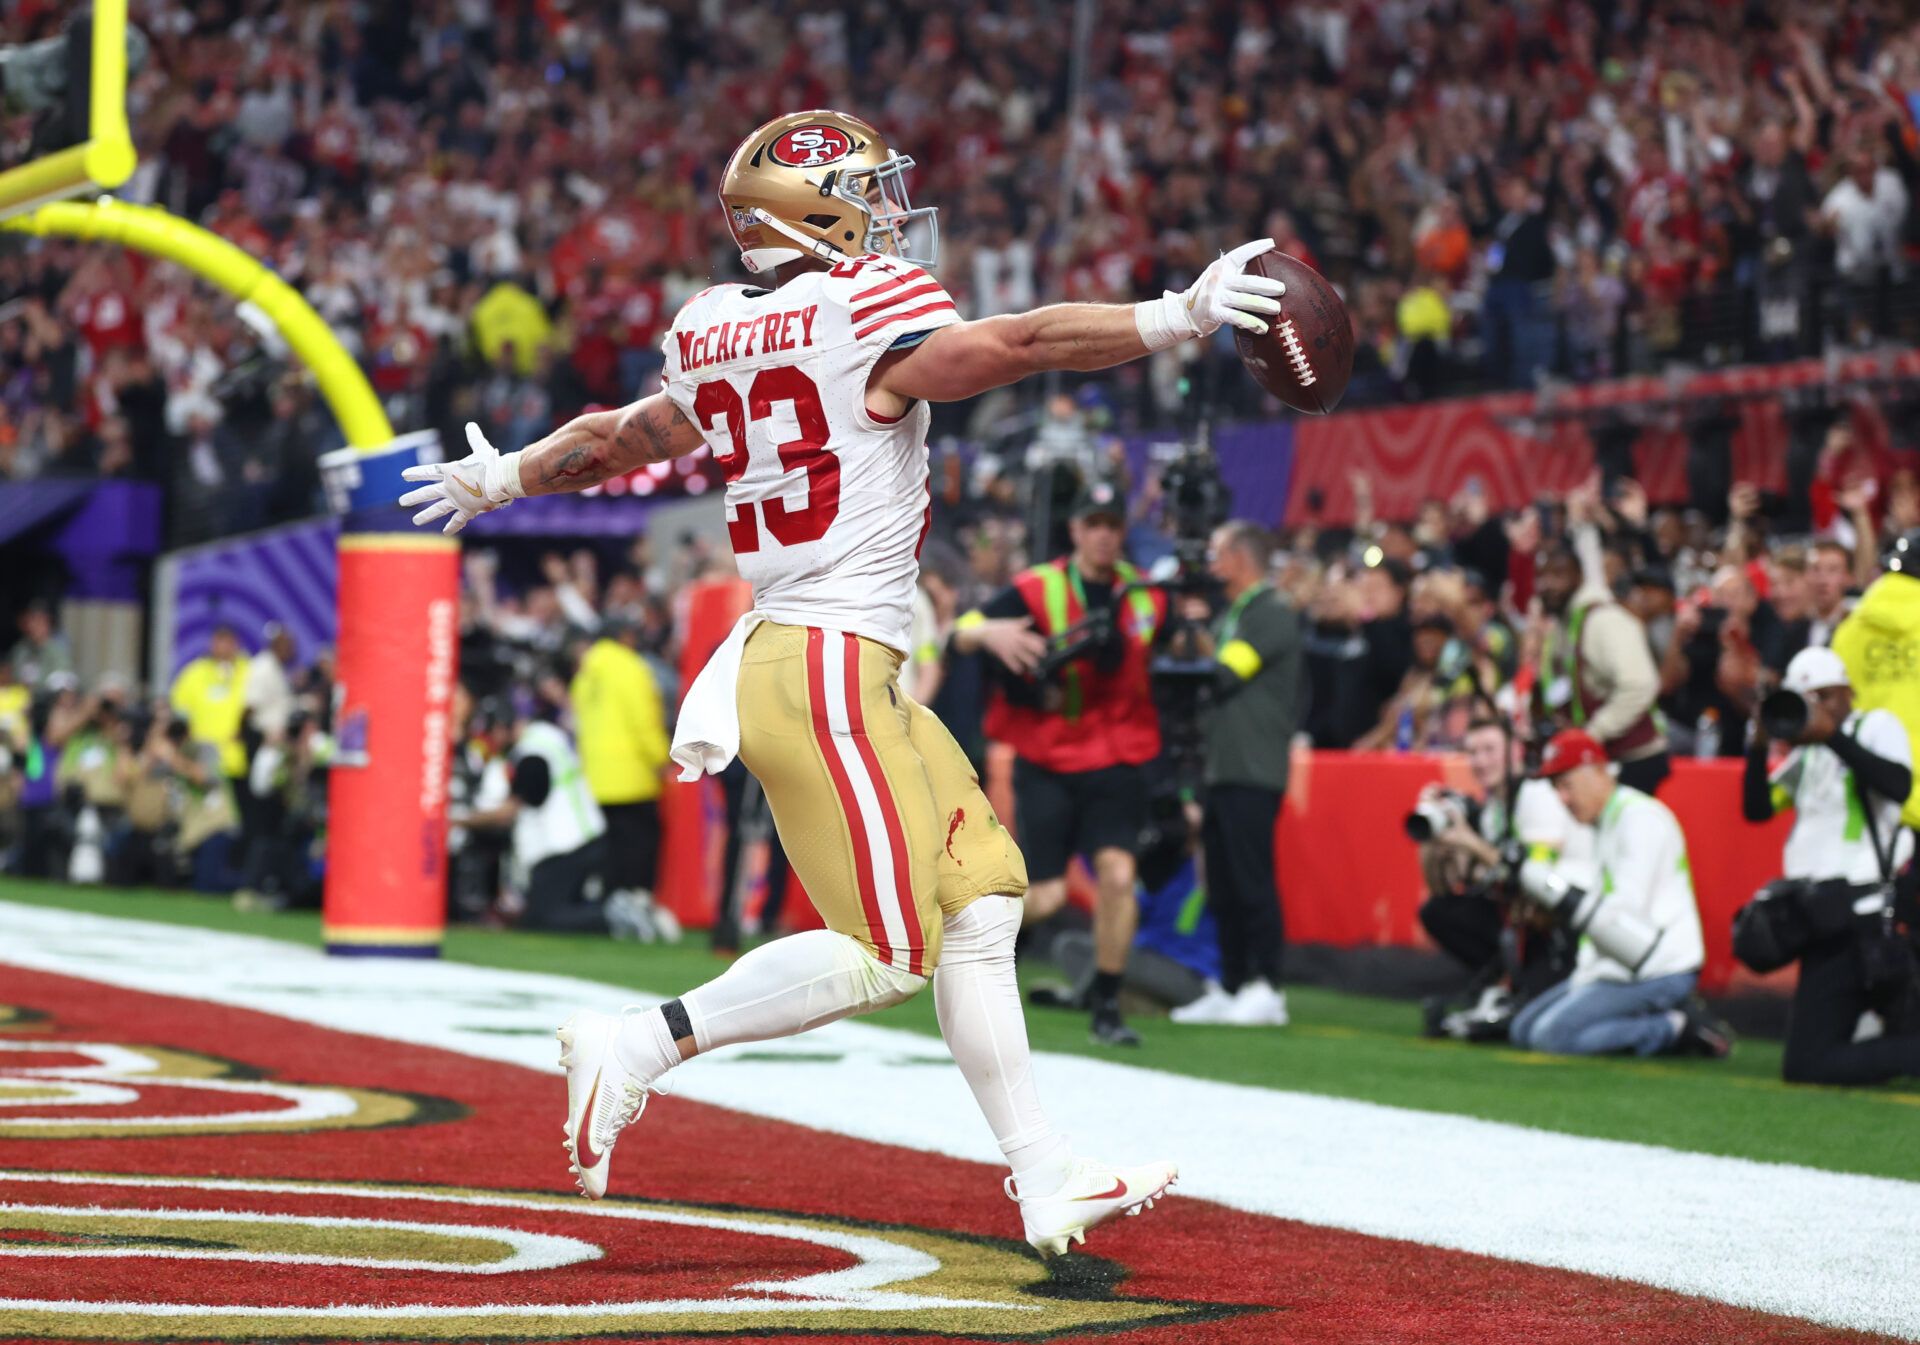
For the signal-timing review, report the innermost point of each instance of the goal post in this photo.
(397, 601)
(105, 158)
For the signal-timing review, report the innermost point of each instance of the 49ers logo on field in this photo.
(357, 1262)
(811, 146)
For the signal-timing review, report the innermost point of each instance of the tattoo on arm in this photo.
(575, 463)
(602, 445)
(641, 438)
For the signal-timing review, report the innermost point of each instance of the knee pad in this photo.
(983, 931)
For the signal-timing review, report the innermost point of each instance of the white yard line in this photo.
(1831, 1247)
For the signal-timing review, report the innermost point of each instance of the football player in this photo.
(811, 388)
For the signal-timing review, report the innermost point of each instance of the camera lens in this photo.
(1783, 714)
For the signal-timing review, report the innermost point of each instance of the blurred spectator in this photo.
(1829, 577)
(96, 769)
(269, 685)
(1596, 669)
(622, 728)
(16, 699)
(1569, 190)
(1866, 212)
(286, 823)
(210, 695)
(40, 653)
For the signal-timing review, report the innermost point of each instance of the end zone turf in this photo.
(453, 1222)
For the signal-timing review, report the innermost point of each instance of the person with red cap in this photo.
(1639, 928)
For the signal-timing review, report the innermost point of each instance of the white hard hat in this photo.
(1814, 669)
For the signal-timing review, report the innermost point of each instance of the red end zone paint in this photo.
(1306, 1284)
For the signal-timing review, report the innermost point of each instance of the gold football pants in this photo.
(879, 810)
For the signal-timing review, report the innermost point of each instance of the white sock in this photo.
(977, 997)
(792, 984)
(645, 1047)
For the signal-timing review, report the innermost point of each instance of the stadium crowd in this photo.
(1407, 621)
(499, 215)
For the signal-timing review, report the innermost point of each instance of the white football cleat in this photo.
(1093, 1193)
(1213, 1006)
(1257, 1005)
(602, 1098)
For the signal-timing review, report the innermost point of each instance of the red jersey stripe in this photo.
(891, 318)
(896, 834)
(843, 787)
(903, 278)
(895, 299)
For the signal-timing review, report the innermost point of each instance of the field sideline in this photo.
(1340, 1045)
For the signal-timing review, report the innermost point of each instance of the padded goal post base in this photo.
(399, 602)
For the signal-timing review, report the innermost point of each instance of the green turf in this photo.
(1339, 1045)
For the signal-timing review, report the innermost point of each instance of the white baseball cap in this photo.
(1814, 669)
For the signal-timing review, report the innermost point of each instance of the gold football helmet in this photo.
(826, 185)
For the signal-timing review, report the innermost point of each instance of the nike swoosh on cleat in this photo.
(1118, 1192)
(589, 1156)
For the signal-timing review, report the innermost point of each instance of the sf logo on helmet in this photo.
(810, 146)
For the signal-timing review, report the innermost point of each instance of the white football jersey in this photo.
(826, 505)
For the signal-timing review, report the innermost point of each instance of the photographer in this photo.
(1639, 928)
(1257, 648)
(558, 831)
(1462, 847)
(1075, 636)
(288, 779)
(1845, 781)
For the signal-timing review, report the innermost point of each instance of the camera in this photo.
(1091, 636)
(1784, 715)
(1436, 815)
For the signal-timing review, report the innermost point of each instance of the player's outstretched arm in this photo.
(973, 357)
(585, 451)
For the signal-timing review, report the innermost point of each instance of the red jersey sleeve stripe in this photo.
(897, 298)
(904, 278)
(861, 333)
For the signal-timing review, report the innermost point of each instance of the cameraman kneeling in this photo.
(1466, 913)
(1845, 780)
(1640, 945)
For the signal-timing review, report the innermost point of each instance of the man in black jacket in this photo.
(1520, 267)
(1257, 648)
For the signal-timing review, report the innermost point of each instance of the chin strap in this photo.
(818, 247)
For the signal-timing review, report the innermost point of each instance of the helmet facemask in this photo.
(896, 228)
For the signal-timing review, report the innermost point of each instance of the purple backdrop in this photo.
(286, 575)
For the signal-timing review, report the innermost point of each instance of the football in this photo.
(1306, 356)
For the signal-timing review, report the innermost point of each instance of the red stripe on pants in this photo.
(896, 834)
(843, 786)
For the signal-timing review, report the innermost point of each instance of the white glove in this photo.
(1223, 293)
(484, 480)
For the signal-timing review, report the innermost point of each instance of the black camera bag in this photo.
(1772, 930)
